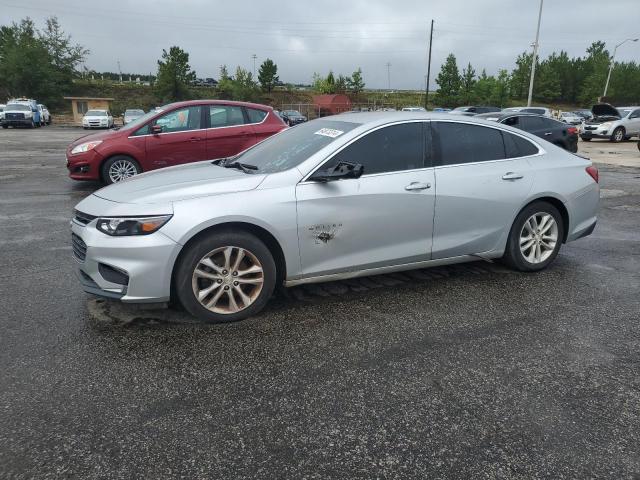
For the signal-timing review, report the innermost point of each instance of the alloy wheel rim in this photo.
(121, 170)
(538, 237)
(619, 135)
(227, 280)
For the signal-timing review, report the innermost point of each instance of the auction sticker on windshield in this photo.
(329, 132)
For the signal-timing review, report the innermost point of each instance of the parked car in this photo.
(614, 124)
(558, 133)
(585, 114)
(414, 109)
(571, 118)
(292, 117)
(46, 116)
(335, 198)
(21, 112)
(472, 110)
(2, 106)
(177, 133)
(130, 114)
(537, 110)
(97, 119)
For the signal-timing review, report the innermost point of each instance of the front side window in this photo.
(180, 120)
(225, 116)
(255, 115)
(635, 114)
(457, 143)
(389, 149)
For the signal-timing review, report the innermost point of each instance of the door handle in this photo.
(417, 186)
(195, 139)
(548, 133)
(512, 176)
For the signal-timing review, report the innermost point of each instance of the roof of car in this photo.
(501, 115)
(187, 103)
(380, 118)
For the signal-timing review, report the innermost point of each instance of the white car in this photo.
(44, 114)
(2, 105)
(537, 110)
(97, 119)
(414, 109)
(131, 114)
(571, 118)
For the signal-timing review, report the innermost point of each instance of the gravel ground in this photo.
(470, 371)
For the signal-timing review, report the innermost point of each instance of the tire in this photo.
(118, 168)
(617, 135)
(524, 259)
(32, 124)
(5, 126)
(586, 139)
(85, 128)
(255, 291)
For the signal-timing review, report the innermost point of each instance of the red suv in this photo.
(177, 133)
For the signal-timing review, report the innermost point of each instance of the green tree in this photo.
(341, 84)
(448, 81)
(546, 86)
(595, 67)
(174, 75)
(268, 75)
(356, 84)
(520, 76)
(484, 87)
(500, 93)
(467, 82)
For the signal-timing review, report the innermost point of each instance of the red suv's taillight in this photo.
(593, 173)
(572, 130)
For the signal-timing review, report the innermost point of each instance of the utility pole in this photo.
(254, 56)
(426, 92)
(388, 76)
(535, 56)
(613, 57)
(120, 71)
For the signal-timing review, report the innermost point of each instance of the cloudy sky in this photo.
(303, 36)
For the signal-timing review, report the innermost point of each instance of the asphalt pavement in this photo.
(470, 372)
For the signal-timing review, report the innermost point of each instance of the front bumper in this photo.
(146, 263)
(18, 123)
(598, 133)
(84, 166)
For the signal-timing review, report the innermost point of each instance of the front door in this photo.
(182, 140)
(383, 218)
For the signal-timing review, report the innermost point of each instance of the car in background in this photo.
(131, 114)
(46, 116)
(175, 134)
(414, 109)
(584, 113)
(558, 133)
(292, 117)
(97, 119)
(21, 112)
(571, 118)
(2, 105)
(537, 110)
(336, 198)
(612, 123)
(473, 110)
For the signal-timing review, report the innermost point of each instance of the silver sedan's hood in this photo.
(179, 183)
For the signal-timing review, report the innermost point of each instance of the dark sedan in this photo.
(292, 117)
(558, 133)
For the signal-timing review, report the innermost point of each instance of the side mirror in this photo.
(156, 129)
(342, 170)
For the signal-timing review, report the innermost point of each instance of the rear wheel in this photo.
(225, 276)
(618, 135)
(119, 168)
(535, 237)
(586, 139)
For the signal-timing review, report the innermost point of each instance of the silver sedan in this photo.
(350, 195)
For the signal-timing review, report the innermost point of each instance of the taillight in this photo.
(572, 130)
(593, 173)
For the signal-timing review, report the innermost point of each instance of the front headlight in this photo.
(28, 115)
(605, 125)
(126, 226)
(85, 147)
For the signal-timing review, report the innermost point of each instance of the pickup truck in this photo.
(22, 112)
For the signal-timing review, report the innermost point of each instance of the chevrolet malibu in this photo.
(346, 196)
(175, 134)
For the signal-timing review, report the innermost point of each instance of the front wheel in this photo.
(585, 139)
(535, 237)
(119, 168)
(225, 276)
(618, 135)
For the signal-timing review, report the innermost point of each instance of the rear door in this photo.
(633, 122)
(228, 131)
(262, 124)
(383, 218)
(182, 139)
(479, 186)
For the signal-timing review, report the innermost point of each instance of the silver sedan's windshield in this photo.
(294, 145)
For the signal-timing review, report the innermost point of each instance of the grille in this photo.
(79, 247)
(83, 218)
(14, 116)
(590, 128)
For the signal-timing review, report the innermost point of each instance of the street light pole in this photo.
(535, 56)
(254, 56)
(613, 57)
(389, 76)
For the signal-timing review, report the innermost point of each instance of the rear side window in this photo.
(516, 146)
(225, 116)
(530, 123)
(389, 149)
(255, 115)
(457, 143)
